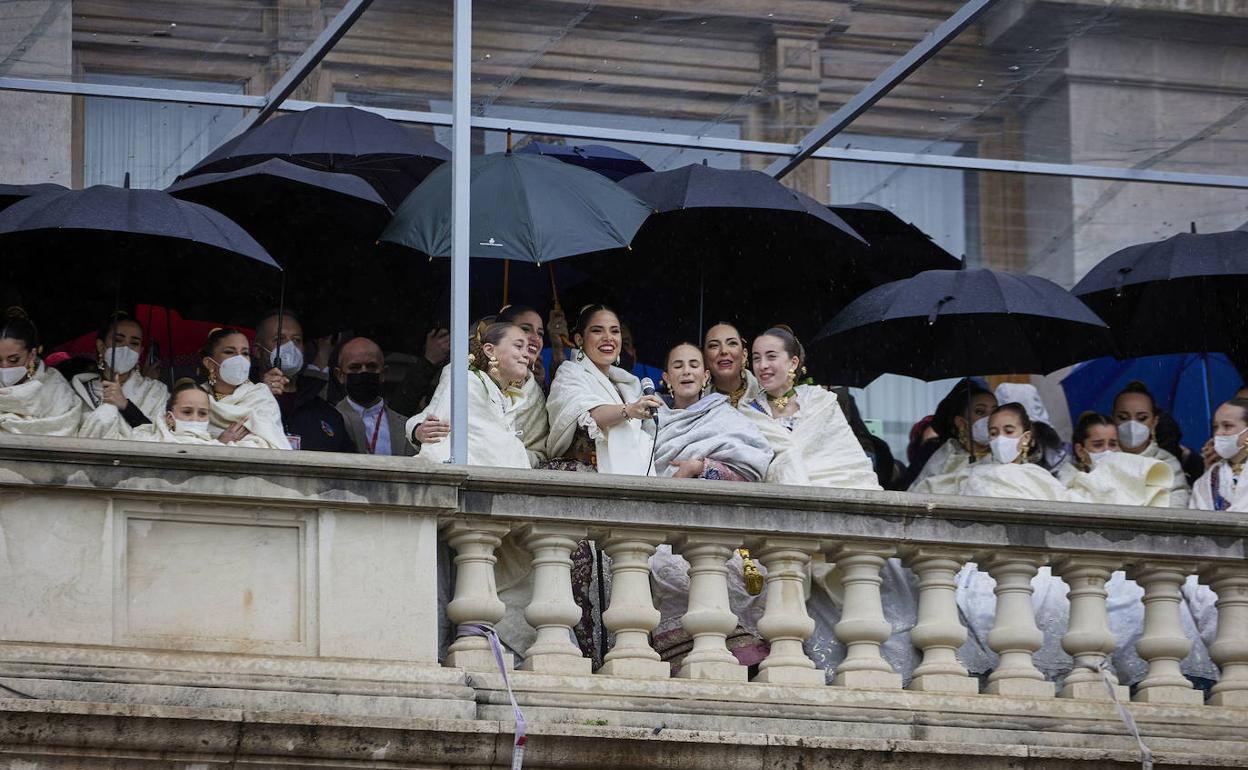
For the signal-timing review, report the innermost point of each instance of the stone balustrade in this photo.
(171, 607)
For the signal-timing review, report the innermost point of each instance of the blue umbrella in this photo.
(1177, 381)
(612, 163)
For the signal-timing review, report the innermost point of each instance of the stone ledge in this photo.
(94, 735)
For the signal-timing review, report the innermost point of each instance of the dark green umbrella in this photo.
(529, 208)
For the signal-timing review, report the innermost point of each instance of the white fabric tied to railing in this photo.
(1111, 684)
(517, 746)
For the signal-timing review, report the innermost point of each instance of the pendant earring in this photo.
(745, 361)
(492, 366)
(32, 367)
(792, 376)
(617, 360)
(212, 379)
(99, 361)
(579, 355)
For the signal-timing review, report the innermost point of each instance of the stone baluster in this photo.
(1230, 649)
(1014, 635)
(862, 627)
(939, 633)
(709, 618)
(1163, 643)
(553, 611)
(476, 592)
(1088, 638)
(632, 615)
(785, 623)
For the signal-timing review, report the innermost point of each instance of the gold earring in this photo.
(792, 376)
(32, 367)
(492, 364)
(579, 355)
(617, 359)
(745, 360)
(212, 379)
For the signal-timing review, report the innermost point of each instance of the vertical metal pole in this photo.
(461, 130)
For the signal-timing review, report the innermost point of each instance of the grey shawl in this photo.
(711, 429)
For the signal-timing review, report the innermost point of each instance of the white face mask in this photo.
(190, 426)
(1132, 434)
(291, 355)
(1095, 458)
(1227, 446)
(1005, 449)
(234, 370)
(121, 360)
(979, 431)
(11, 375)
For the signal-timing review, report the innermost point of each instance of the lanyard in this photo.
(372, 444)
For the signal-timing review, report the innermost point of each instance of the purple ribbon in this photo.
(517, 747)
(1146, 754)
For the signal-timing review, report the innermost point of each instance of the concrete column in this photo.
(862, 627)
(1230, 649)
(709, 618)
(1088, 638)
(476, 592)
(1014, 635)
(939, 633)
(553, 611)
(632, 615)
(786, 624)
(1163, 643)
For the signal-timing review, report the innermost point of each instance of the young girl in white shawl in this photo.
(531, 419)
(187, 420)
(35, 400)
(1222, 487)
(725, 354)
(118, 398)
(804, 424)
(962, 421)
(593, 396)
(500, 362)
(238, 403)
(705, 437)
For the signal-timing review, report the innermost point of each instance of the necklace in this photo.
(780, 402)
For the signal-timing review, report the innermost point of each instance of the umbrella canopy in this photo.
(612, 163)
(898, 249)
(321, 227)
(390, 157)
(526, 207)
(1176, 381)
(12, 193)
(1185, 294)
(68, 254)
(739, 246)
(949, 323)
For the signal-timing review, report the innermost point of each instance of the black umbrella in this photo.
(898, 249)
(12, 193)
(736, 245)
(69, 256)
(1186, 294)
(321, 227)
(392, 158)
(952, 323)
(612, 163)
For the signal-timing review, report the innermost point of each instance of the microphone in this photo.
(647, 389)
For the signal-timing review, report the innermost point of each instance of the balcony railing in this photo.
(284, 608)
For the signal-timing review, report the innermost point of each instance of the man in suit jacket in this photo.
(376, 428)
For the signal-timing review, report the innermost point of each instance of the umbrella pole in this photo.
(169, 338)
(281, 311)
(506, 277)
(1204, 358)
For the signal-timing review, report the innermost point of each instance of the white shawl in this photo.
(1123, 479)
(821, 450)
(1179, 491)
(253, 403)
(1202, 491)
(580, 387)
(43, 405)
(714, 430)
(492, 416)
(158, 431)
(101, 420)
(1010, 481)
(949, 458)
(532, 421)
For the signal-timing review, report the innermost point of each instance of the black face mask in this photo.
(364, 387)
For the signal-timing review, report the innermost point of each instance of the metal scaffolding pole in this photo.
(461, 149)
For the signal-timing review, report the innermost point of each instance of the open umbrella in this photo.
(12, 193)
(322, 228)
(391, 157)
(1185, 294)
(612, 163)
(75, 256)
(898, 249)
(525, 207)
(736, 245)
(1177, 381)
(951, 323)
